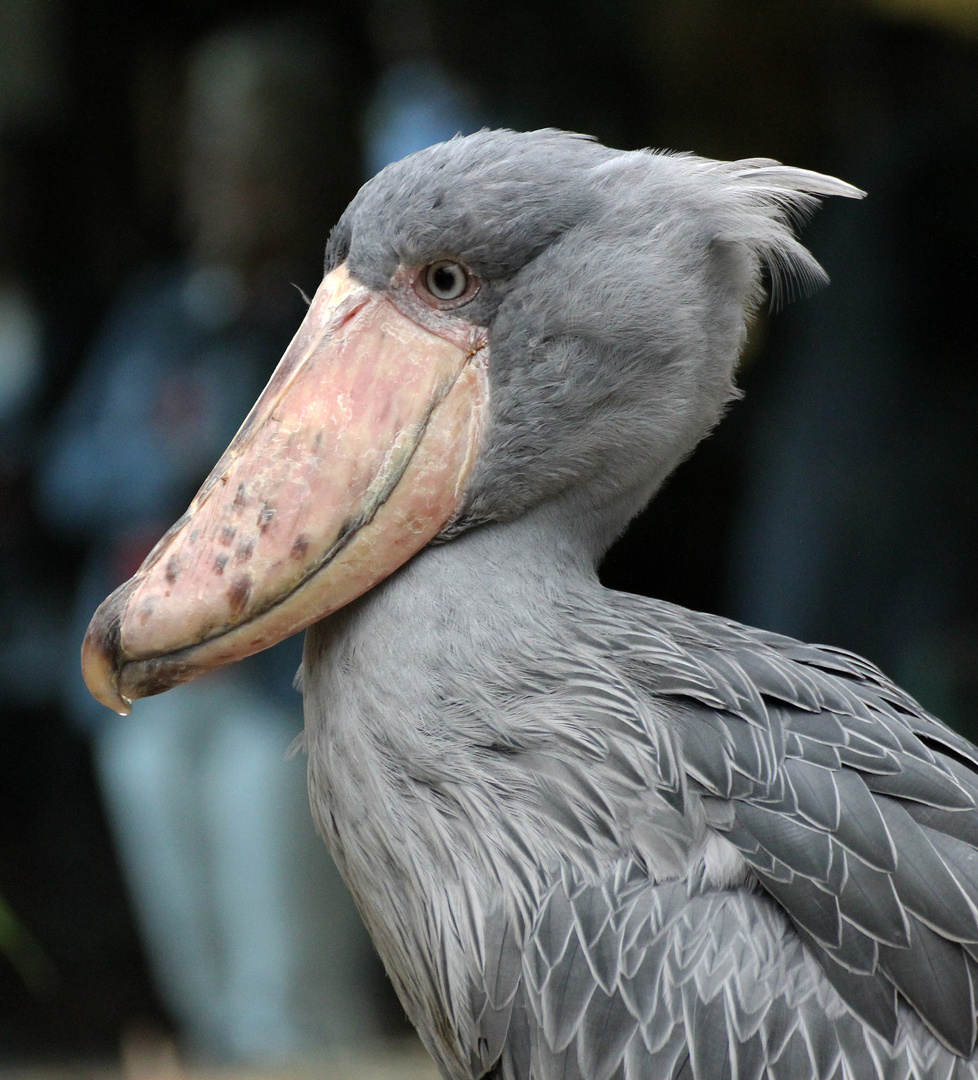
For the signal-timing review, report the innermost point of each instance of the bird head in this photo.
(509, 323)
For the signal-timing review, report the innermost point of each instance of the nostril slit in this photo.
(350, 313)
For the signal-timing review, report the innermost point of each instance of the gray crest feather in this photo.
(764, 202)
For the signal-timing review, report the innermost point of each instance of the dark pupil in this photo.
(444, 279)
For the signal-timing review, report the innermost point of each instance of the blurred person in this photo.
(28, 619)
(415, 102)
(253, 939)
(31, 626)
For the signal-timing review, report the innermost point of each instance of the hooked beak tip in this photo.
(98, 663)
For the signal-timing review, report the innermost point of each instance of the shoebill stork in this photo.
(593, 835)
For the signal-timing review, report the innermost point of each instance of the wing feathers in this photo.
(926, 886)
(815, 794)
(723, 992)
(806, 850)
(607, 1029)
(856, 812)
(872, 999)
(861, 829)
(869, 901)
(933, 976)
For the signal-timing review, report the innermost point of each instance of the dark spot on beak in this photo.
(219, 563)
(265, 516)
(172, 569)
(243, 554)
(228, 533)
(240, 497)
(238, 593)
(299, 546)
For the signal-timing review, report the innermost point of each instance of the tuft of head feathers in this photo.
(771, 200)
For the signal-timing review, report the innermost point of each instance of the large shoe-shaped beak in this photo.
(356, 455)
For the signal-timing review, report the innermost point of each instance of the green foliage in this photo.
(23, 951)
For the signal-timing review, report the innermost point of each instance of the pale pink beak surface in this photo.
(356, 455)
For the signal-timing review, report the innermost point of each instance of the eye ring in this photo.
(447, 282)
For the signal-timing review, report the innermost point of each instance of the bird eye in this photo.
(446, 280)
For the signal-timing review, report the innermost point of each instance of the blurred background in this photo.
(168, 176)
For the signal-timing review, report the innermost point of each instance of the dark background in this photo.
(885, 98)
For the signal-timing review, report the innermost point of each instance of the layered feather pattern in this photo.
(622, 981)
(855, 812)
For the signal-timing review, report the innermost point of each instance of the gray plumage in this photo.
(593, 835)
